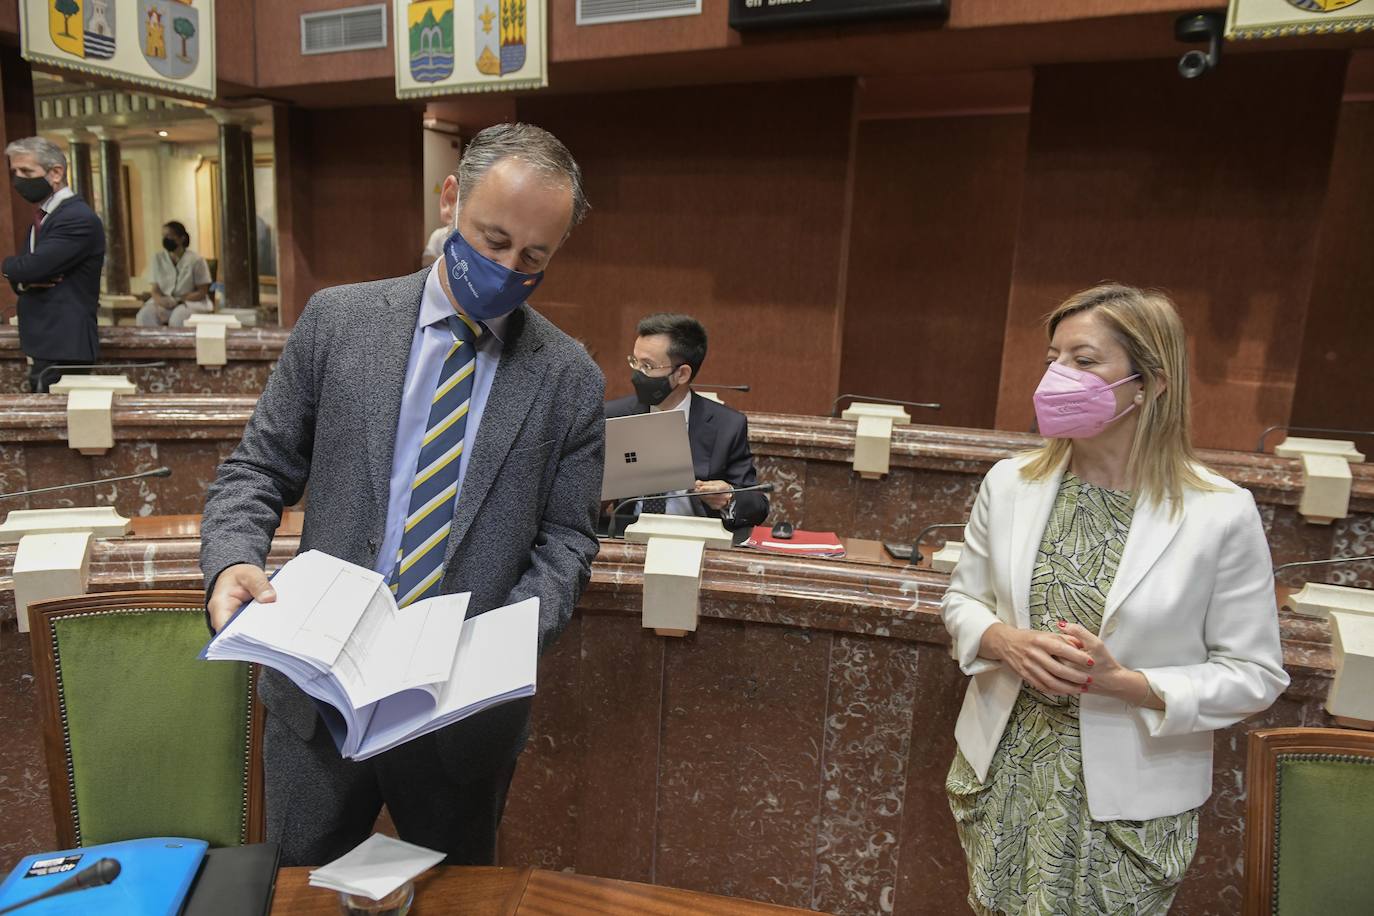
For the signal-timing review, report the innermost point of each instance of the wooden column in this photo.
(79, 173)
(254, 268)
(16, 122)
(236, 232)
(112, 213)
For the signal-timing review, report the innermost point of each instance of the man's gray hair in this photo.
(47, 153)
(533, 146)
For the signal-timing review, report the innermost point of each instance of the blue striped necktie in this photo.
(434, 493)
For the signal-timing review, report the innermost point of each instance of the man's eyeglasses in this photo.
(640, 366)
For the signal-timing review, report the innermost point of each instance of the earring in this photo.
(1139, 397)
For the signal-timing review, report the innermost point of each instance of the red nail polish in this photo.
(1062, 624)
(1091, 663)
(1090, 680)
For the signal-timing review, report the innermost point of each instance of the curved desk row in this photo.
(252, 354)
(792, 750)
(935, 471)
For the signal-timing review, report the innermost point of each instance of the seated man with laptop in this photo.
(667, 357)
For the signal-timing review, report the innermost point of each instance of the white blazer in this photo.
(1192, 608)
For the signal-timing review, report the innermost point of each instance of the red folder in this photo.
(802, 543)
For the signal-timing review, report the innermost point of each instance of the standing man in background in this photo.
(452, 440)
(57, 272)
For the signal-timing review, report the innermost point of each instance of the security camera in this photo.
(1195, 28)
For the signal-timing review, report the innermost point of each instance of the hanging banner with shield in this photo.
(1282, 18)
(168, 45)
(449, 46)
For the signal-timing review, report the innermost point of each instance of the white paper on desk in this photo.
(375, 867)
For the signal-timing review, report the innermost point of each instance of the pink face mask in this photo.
(1073, 404)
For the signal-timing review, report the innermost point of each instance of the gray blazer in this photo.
(524, 524)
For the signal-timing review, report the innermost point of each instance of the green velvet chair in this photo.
(1309, 826)
(141, 737)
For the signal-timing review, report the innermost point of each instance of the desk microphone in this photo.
(98, 875)
(156, 472)
(835, 405)
(1329, 562)
(744, 388)
(691, 494)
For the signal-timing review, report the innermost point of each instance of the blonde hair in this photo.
(1162, 461)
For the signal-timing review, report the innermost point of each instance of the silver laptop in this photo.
(647, 454)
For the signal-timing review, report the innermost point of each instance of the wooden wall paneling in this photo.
(936, 204)
(277, 34)
(236, 43)
(1336, 370)
(724, 202)
(1211, 189)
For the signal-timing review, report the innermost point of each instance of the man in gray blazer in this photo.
(451, 439)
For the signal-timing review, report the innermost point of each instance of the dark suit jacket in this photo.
(58, 323)
(719, 437)
(524, 524)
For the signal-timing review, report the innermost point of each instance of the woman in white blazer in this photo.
(1113, 606)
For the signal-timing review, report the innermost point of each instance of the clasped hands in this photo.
(1071, 661)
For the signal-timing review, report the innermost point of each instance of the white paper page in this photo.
(498, 654)
(398, 649)
(376, 867)
(320, 600)
(496, 661)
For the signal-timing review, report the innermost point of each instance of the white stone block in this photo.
(211, 337)
(1325, 488)
(676, 547)
(101, 521)
(1296, 447)
(873, 435)
(49, 566)
(947, 557)
(1352, 650)
(118, 384)
(1318, 599)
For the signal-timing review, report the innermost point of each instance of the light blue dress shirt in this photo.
(427, 350)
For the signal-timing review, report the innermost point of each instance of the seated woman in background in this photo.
(180, 279)
(1114, 606)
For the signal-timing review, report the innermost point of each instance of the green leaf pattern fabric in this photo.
(1031, 845)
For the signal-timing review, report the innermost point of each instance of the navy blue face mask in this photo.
(483, 288)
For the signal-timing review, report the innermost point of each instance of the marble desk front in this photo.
(792, 750)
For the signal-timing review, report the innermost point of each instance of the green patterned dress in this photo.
(1032, 847)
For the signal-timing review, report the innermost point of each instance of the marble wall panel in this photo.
(744, 708)
(831, 488)
(787, 502)
(868, 737)
(931, 878)
(622, 685)
(26, 823)
(540, 824)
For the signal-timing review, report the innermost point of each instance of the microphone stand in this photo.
(98, 875)
(1259, 447)
(916, 544)
(157, 472)
(835, 405)
(1328, 562)
(691, 494)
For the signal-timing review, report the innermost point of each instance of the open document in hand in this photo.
(380, 674)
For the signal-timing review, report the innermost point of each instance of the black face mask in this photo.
(169, 245)
(651, 391)
(34, 190)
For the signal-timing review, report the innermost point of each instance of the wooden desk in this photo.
(525, 892)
